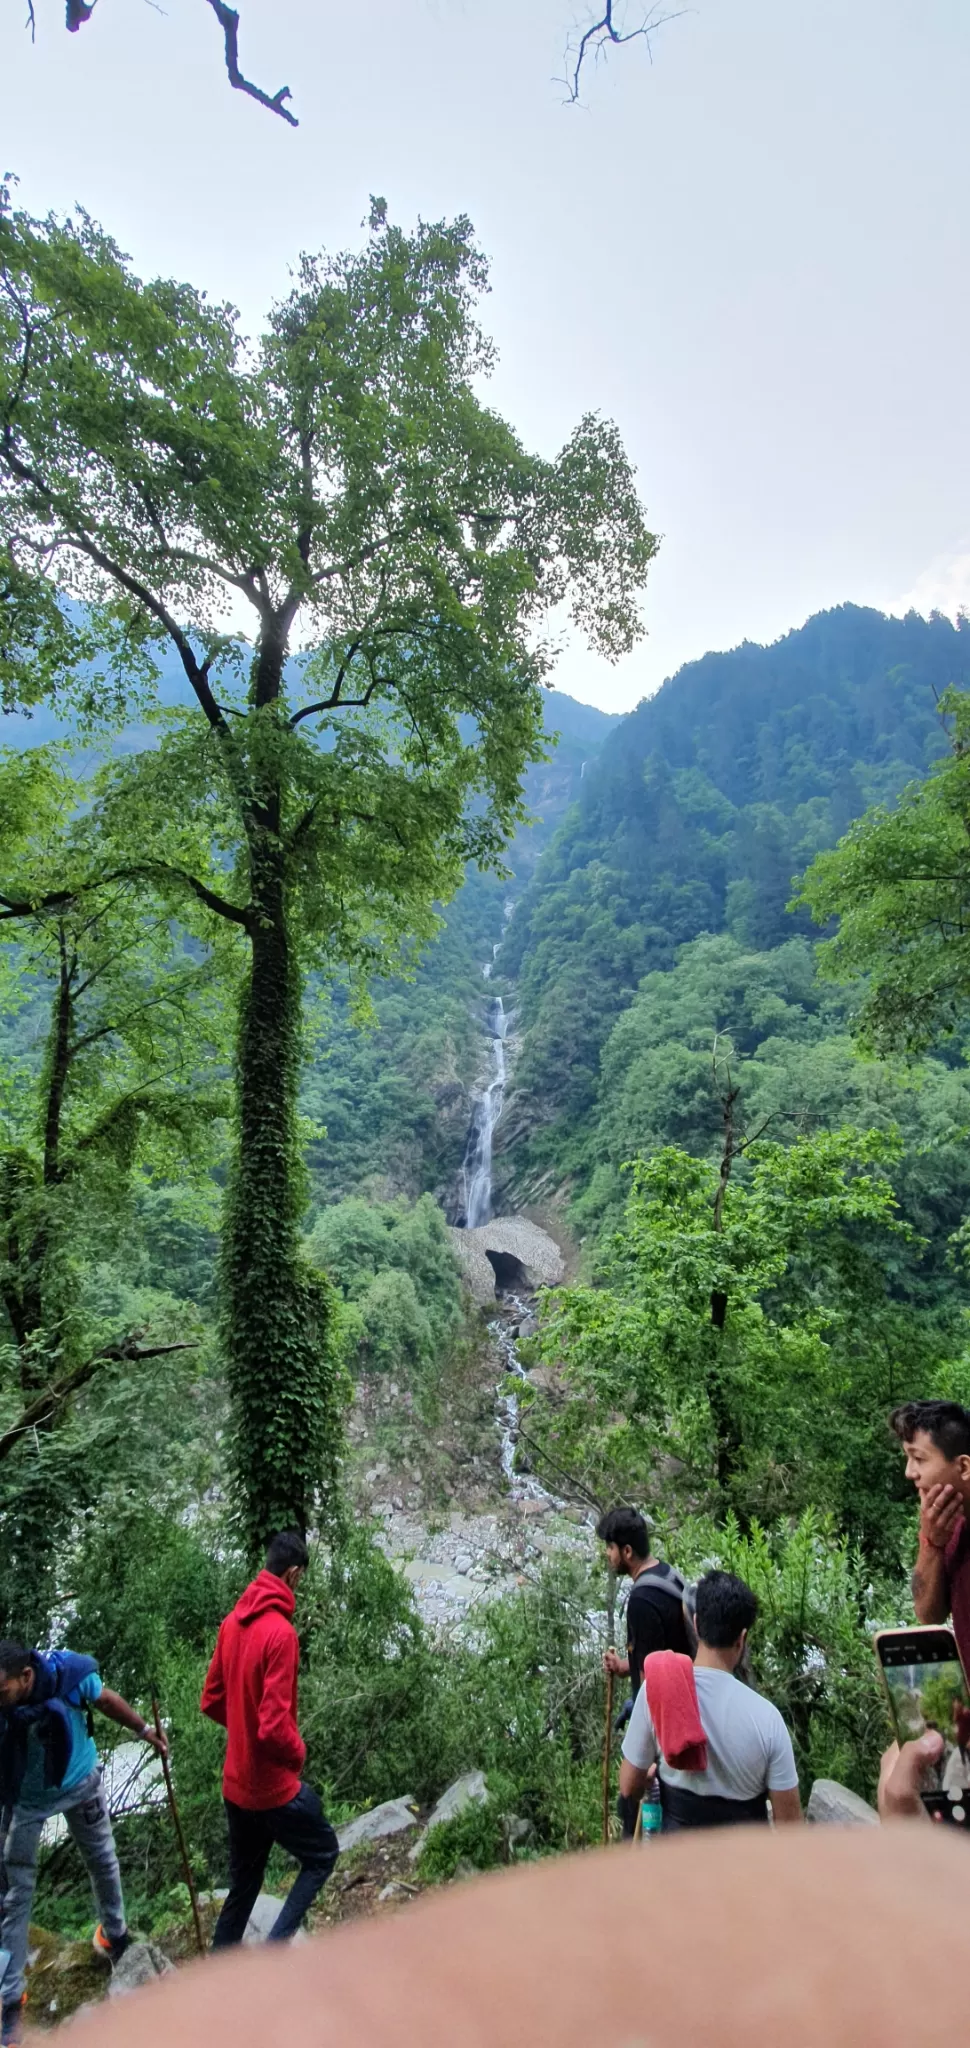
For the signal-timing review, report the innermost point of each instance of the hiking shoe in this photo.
(12, 2024)
(103, 1945)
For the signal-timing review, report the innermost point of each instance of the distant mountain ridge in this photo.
(696, 813)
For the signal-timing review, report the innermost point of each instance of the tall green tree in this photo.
(116, 1032)
(341, 482)
(899, 884)
(741, 1332)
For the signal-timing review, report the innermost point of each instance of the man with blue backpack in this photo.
(49, 1765)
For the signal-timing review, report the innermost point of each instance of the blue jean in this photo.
(303, 1830)
(85, 1810)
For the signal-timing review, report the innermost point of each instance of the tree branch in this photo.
(228, 21)
(604, 31)
(13, 906)
(195, 671)
(220, 905)
(46, 1404)
(147, 870)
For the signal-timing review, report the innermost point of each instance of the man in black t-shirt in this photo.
(654, 1613)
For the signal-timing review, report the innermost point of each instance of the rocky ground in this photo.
(464, 1523)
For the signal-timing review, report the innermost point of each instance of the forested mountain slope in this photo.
(392, 1102)
(693, 820)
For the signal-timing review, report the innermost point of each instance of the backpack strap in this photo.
(671, 1582)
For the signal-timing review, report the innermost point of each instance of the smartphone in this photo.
(927, 1688)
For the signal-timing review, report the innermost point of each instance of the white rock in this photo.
(390, 1819)
(833, 1805)
(263, 1918)
(141, 1963)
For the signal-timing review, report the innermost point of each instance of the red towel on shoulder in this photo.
(672, 1700)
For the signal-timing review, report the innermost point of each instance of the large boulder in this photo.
(468, 1790)
(390, 1819)
(833, 1805)
(523, 1256)
(141, 1963)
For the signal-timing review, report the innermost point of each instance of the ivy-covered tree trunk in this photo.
(277, 1314)
(342, 479)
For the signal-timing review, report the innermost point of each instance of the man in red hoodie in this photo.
(251, 1691)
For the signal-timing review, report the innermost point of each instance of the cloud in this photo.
(943, 587)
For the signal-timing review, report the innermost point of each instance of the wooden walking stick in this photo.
(608, 1729)
(183, 1851)
(607, 1744)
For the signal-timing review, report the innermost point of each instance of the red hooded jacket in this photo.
(250, 1690)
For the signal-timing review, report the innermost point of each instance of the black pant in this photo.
(303, 1830)
(683, 1809)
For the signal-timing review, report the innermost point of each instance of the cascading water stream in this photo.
(476, 1189)
(476, 1171)
(522, 1486)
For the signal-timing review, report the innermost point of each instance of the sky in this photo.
(748, 245)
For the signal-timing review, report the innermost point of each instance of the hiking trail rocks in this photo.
(389, 1819)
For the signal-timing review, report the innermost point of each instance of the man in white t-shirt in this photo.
(749, 1752)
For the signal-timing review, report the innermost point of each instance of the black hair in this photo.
(725, 1606)
(286, 1550)
(13, 1658)
(945, 1423)
(624, 1527)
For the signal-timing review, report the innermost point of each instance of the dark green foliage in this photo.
(396, 1270)
(392, 1092)
(371, 1698)
(694, 817)
(473, 1840)
(341, 478)
(281, 1346)
(147, 1592)
(899, 884)
(747, 1330)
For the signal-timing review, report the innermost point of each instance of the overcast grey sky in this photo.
(751, 251)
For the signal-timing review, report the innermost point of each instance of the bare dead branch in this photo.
(228, 21)
(600, 34)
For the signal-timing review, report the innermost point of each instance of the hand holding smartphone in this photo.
(926, 1687)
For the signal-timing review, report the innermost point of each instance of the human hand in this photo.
(902, 1775)
(940, 1510)
(615, 1663)
(156, 1741)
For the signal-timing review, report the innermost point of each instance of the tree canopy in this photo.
(899, 884)
(397, 551)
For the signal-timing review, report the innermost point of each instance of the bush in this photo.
(394, 1266)
(811, 1647)
(476, 1837)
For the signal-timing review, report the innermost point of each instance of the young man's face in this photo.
(618, 1560)
(927, 1465)
(15, 1686)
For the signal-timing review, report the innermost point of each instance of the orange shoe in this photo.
(103, 1945)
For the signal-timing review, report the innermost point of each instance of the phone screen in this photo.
(927, 1689)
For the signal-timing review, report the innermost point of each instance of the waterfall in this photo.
(476, 1171)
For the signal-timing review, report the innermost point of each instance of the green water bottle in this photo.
(651, 1811)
